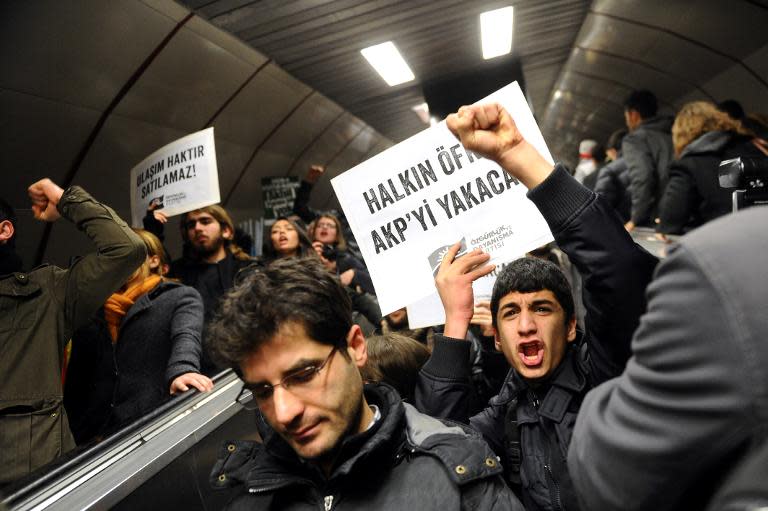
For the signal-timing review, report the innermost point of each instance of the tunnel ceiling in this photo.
(579, 58)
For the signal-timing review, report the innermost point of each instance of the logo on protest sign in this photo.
(429, 191)
(436, 257)
(429, 311)
(179, 177)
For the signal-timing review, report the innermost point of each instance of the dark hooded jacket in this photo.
(613, 185)
(693, 196)
(648, 152)
(528, 425)
(406, 460)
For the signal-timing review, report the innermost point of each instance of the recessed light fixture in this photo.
(496, 29)
(388, 62)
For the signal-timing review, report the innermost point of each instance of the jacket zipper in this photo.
(328, 502)
(558, 505)
(534, 399)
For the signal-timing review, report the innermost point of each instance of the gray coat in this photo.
(159, 339)
(39, 311)
(648, 152)
(694, 396)
(406, 461)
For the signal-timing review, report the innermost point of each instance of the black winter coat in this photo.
(530, 426)
(693, 196)
(159, 339)
(406, 461)
(613, 185)
(648, 152)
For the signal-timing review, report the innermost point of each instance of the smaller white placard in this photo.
(181, 176)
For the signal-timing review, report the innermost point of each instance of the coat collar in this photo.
(273, 464)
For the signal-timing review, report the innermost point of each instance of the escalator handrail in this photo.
(92, 453)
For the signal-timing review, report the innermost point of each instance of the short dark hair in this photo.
(733, 108)
(642, 101)
(8, 213)
(528, 275)
(395, 359)
(614, 141)
(266, 297)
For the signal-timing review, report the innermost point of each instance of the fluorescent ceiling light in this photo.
(388, 62)
(496, 28)
(422, 111)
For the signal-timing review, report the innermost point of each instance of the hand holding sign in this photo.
(454, 284)
(410, 201)
(45, 195)
(489, 130)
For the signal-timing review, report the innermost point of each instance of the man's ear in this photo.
(6, 231)
(571, 336)
(356, 346)
(226, 232)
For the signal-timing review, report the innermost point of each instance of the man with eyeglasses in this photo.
(329, 442)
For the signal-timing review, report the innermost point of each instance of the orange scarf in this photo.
(118, 304)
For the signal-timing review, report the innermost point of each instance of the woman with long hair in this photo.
(142, 347)
(286, 239)
(702, 136)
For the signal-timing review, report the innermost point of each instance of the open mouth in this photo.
(531, 353)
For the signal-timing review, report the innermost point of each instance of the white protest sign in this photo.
(408, 204)
(429, 311)
(181, 176)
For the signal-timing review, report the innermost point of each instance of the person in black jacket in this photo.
(529, 423)
(703, 136)
(329, 442)
(142, 347)
(613, 179)
(647, 150)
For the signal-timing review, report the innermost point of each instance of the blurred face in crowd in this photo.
(326, 230)
(533, 333)
(398, 317)
(314, 392)
(285, 239)
(206, 235)
(632, 119)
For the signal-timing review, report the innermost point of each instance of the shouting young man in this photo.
(530, 422)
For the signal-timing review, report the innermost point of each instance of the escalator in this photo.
(161, 461)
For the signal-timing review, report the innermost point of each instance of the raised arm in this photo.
(301, 204)
(615, 270)
(119, 251)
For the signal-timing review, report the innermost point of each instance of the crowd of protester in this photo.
(596, 377)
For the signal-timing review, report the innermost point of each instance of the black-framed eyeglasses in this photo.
(296, 382)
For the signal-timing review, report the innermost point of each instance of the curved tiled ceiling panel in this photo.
(90, 89)
(683, 51)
